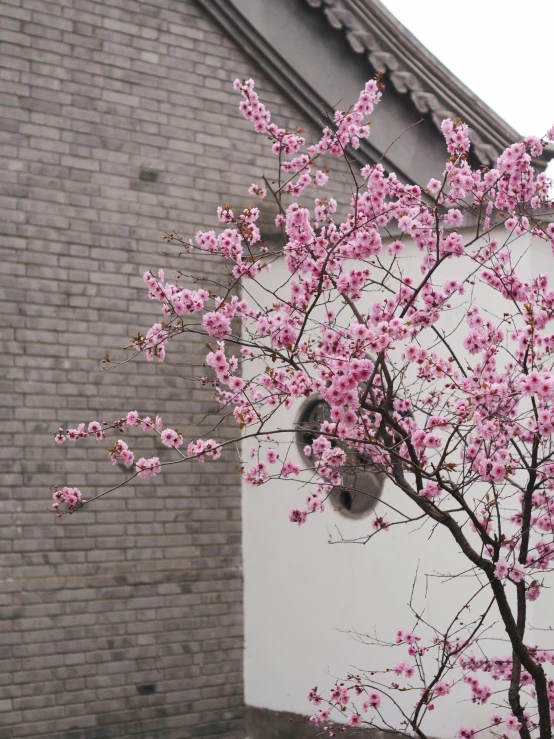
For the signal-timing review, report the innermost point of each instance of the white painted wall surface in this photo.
(302, 594)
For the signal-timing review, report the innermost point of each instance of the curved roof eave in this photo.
(371, 30)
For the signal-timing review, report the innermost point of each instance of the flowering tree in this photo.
(439, 377)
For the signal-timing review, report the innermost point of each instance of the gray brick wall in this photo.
(142, 592)
(143, 589)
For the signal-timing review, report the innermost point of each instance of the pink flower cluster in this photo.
(148, 467)
(70, 499)
(339, 698)
(349, 126)
(121, 450)
(144, 467)
(204, 448)
(456, 135)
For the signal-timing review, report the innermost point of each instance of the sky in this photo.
(503, 51)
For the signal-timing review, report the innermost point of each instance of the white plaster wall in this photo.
(302, 594)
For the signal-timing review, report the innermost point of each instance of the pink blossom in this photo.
(512, 723)
(314, 697)
(380, 524)
(74, 434)
(217, 324)
(257, 474)
(171, 438)
(442, 688)
(132, 418)
(373, 700)
(434, 186)
(147, 424)
(517, 573)
(297, 516)
(289, 468)
(320, 178)
(204, 448)
(236, 384)
(261, 192)
(431, 491)
(127, 457)
(464, 733)
(454, 217)
(397, 247)
(148, 467)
